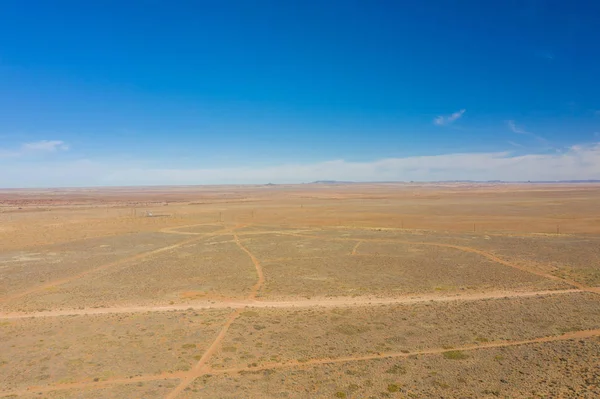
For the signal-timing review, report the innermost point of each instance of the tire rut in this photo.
(200, 367)
(107, 266)
(314, 303)
(460, 248)
(188, 377)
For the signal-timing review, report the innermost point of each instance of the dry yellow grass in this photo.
(202, 270)
(264, 336)
(547, 370)
(312, 290)
(62, 350)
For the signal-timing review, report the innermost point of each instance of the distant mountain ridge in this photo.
(332, 182)
(458, 181)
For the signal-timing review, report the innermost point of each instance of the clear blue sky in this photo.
(158, 92)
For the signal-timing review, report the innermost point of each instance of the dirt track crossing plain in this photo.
(308, 291)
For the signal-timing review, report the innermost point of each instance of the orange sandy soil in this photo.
(316, 290)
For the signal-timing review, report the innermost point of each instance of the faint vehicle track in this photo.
(200, 367)
(460, 248)
(106, 266)
(259, 270)
(96, 384)
(355, 249)
(96, 269)
(346, 359)
(173, 230)
(188, 376)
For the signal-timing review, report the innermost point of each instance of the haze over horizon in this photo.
(222, 92)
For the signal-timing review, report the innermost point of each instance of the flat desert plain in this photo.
(450, 290)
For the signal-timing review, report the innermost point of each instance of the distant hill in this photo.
(332, 182)
(459, 181)
(564, 181)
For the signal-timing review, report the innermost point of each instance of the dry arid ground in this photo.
(301, 291)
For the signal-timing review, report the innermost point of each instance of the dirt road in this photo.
(202, 366)
(300, 303)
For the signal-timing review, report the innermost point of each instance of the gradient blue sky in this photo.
(222, 91)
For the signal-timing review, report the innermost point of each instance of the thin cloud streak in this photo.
(35, 147)
(579, 162)
(446, 120)
(515, 144)
(512, 126)
(516, 129)
(46, 145)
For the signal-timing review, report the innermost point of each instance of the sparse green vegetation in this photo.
(353, 387)
(491, 392)
(350, 329)
(334, 313)
(455, 355)
(396, 369)
(393, 387)
(249, 313)
(440, 384)
(82, 351)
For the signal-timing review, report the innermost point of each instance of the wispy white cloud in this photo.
(448, 119)
(548, 55)
(512, 126)
(35, 147)
(46, 146)
(519, 130)
(576, 162)
(515, 144)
